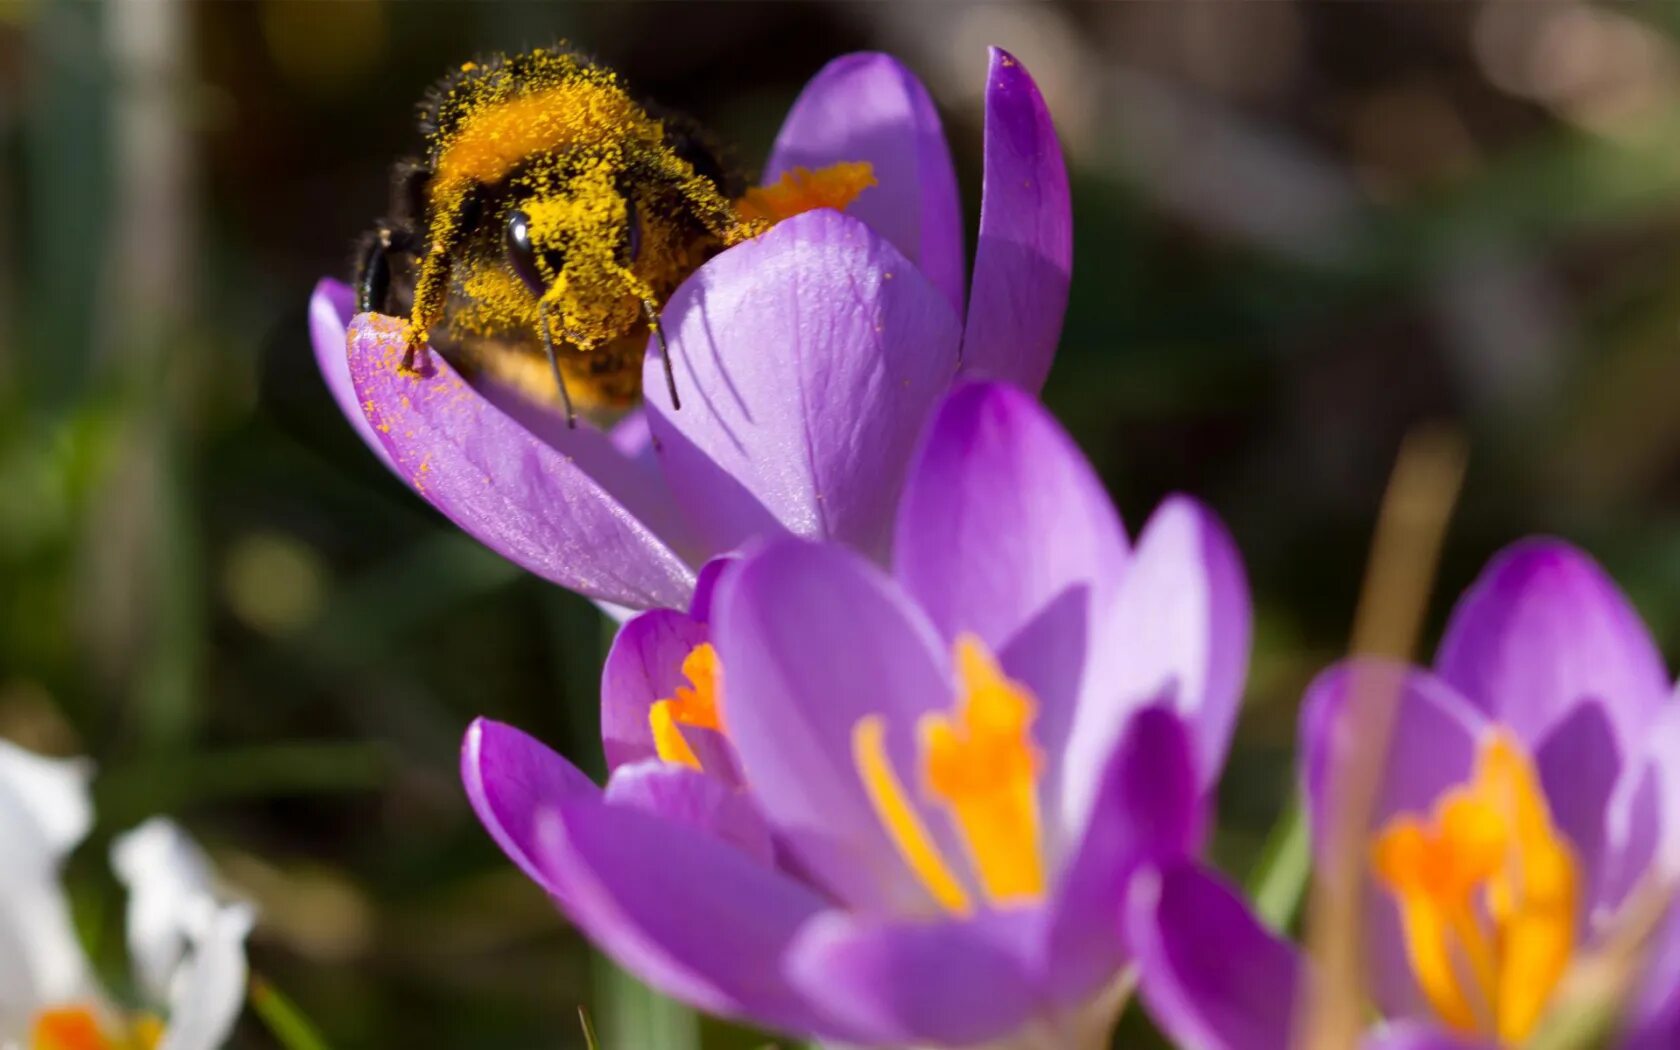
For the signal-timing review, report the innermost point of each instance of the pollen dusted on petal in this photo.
(802, 190)
(695, 705)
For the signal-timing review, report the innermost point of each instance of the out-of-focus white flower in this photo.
(187, 946)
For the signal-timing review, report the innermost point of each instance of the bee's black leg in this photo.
(373, 265)
(652, 315)
(554, 364)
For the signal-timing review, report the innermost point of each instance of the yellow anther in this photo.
(695, 704)
(802, 190)
(978, 763)
(1487, 891)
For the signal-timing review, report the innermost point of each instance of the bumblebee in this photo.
(550, 217)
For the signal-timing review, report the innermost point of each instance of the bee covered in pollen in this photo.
(549, 220)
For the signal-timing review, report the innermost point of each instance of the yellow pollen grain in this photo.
(802, 190)
(1488, 880)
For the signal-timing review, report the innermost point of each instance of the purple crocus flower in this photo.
(1527, 793)
(902, 808)
(808, 358)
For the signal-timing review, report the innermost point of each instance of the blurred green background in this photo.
(1300, 231)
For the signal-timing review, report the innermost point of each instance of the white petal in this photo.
(48, 795)
(167, 876)
(208, 990)
(188, 949)
(44, 812)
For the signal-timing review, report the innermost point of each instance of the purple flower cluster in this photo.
(902, 807)
(909, 744)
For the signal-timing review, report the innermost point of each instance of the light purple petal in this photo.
(908, 983)
(705, 585)
(691, 915)
(698, 800)
(1024, 256)
(508, 777)
(1180, 628)
(807, 362)
(1148, 813)
(1001, 516)
(331, 306)
(1579, 766)
(565, 506)
(812, 640)
(1006, 533)
(1541, 630)
(1211, 975)
(643, 666)
(1432, 746)
(868, 107)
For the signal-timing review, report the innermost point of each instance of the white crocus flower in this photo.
(188, 948)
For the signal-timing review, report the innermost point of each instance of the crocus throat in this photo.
(693, 705)
(78, 1028)
(802, 190)
(1487, 889)
(978, 763)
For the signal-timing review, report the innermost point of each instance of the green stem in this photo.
(1279, 880)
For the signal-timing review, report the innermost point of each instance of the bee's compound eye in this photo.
(632, 230)
(522, 254)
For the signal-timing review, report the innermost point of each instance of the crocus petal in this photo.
(1179, 627)
(331, 306)
(1148, 812)
(1580, 765)
(686, 912)
(812, 640)
(509, 777)
(1653, 1015)
(1543, 629)
(1212, 976)
(908, 983)
(807, 361)
(1432, 746)
(688, 796)
(1001, 515)
(868, 107)
(643, 666)
(1024, 256)
(566, 505)
(1414, 1035)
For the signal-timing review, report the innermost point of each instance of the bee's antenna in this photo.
(554, 364)
(652, 316)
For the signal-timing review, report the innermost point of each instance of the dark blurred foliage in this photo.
(1301, 231)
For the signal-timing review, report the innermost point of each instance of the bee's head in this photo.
(578, 244)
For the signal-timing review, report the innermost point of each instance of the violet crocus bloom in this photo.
(902, 808)
(807, 359)
(1526, 795)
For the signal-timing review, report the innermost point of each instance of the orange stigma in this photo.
(695, 704)
(978, 763)
(1487, 889)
